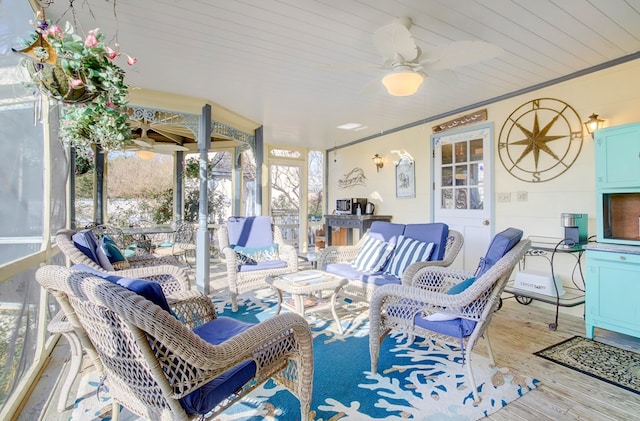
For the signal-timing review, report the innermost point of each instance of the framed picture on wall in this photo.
(405, 178)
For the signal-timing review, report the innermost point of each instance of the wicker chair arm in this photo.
(436, 278)
(144, 260)
(336, 254)
(288, 253)
(171, 278)
(269, 344)
(192, 308)
(412, 300)
(229, 257)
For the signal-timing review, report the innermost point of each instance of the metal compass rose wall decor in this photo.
(540, 140)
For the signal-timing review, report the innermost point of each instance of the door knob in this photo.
(485, 222)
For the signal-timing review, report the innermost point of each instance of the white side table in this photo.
(307, 294)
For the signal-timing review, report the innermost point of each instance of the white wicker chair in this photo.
(159, 360)
(395, 307)
(242, 281)
(65, 243)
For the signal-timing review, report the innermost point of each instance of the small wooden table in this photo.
(351, 222)
(305, 288)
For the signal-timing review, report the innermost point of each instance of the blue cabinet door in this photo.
(617, 156)
(612, 291)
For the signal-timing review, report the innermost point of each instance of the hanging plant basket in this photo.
(80, 72)
(57, 83)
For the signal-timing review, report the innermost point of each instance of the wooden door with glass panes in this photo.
(462, 194)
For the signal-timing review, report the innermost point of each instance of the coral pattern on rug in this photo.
(604, 362)
(414, 380)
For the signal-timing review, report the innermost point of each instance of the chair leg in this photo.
(492, 360)
(234, 302)
(472, 382)
(75, 363)
(115, 411)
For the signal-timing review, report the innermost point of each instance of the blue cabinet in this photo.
(613, 263)
(617, 159)
(613, 289)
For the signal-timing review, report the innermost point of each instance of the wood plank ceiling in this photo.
(280, 62)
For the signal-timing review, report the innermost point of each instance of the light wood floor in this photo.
(517, 331)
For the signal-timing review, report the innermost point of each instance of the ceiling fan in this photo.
(146, 143)
(408, 65)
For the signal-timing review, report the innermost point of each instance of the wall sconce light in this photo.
(377, 160)
(594, 123)
(144, 154)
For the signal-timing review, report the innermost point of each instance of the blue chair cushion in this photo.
(252, 231)
(500, 245)
(205, 398)
(435, 233)
(272, 264)
(456, 289)
(85, 241)
(148, 289)
(458, 328)
(347, 271)
(386, 231)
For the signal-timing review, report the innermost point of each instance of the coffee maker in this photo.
(575, 228)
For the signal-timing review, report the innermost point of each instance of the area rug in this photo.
(604, 362)
(414, 381)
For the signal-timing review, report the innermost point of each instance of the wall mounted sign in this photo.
(540, 140)
(353, 178)
(405, 178)
(465, 120)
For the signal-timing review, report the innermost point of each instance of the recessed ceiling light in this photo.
(349, 126)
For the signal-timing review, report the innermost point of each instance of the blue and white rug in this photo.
(414, 381)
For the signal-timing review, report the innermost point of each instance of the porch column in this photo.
(202, 240)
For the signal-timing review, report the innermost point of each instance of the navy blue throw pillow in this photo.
(148, 289)
(500, 245)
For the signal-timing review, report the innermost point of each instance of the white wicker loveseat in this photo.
(429, 244)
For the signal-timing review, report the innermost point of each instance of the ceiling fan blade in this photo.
(395, 39)
(459, 53)
(167, 134)
(354, 67)
(144, 142)
(134, 124)
(167, 147)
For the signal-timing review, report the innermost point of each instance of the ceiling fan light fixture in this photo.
(402, 83)
(145, 155)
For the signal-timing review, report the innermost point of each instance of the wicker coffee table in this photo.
(306, 289)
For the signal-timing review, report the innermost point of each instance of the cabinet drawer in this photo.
(613, 257)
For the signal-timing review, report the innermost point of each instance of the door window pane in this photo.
(461, 152)
(476, 148)
(447, 154)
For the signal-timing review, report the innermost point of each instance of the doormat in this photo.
(601, 361)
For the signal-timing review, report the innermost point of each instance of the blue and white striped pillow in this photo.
(408, 251)
(372, 256)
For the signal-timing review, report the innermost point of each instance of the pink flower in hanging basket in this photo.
(111, 53)
(91, 40)
(53, 31)
(131, 60)
(76, 82)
